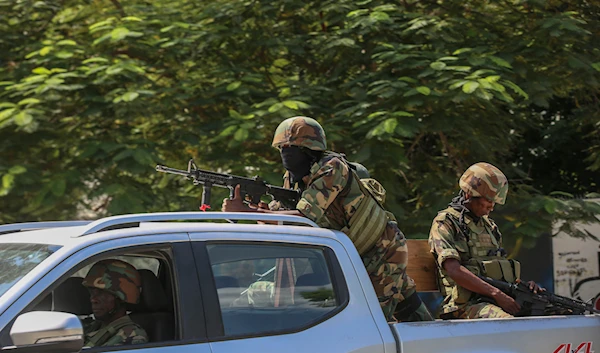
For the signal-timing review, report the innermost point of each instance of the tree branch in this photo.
(450, 152)
(414, 144)
(119, 6)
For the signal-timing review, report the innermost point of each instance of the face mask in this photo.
(297, 162)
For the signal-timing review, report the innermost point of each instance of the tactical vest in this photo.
(368, 222)
(480, 253)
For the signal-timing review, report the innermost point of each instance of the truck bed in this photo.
(551, 334)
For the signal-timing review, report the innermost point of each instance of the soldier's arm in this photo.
(441, 240)
(325, 185)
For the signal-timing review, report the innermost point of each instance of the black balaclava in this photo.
(297, 161)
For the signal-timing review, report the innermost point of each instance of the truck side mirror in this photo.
(46, 331)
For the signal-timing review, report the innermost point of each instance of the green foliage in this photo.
(94, 94)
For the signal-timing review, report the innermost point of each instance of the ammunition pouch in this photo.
(501, 269)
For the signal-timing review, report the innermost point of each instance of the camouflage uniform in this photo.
(124, 282)
(122, 331)
(459, 235)
(386, 257)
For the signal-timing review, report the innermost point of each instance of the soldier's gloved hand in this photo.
(507, 303)
(236, 204)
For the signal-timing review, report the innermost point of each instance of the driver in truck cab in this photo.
(112, 284)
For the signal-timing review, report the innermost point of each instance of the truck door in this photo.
(263, 295)
(170, 307)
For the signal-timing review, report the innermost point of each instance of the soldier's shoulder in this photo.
(333, 162)
(442, 226)
(445, 215)
(329, 168)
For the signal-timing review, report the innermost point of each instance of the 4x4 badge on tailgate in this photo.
(583, 347)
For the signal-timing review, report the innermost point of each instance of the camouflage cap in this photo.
(484, 180)
(300, 131)
(116, 277)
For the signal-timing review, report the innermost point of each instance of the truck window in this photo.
(16, 260)
(267, 289)
(155, 310)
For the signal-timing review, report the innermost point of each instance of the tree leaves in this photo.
(233, 86)
(438, 65)
(415, 91)
(424, 90)
(470, 87)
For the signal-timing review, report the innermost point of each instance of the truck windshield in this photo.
(16, 260)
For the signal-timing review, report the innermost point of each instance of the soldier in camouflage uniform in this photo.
(334, 196)
(112, 283)
(466, 243)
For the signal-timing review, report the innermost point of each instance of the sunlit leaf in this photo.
(41, 71)
(470, 87)
(438, 65)
(27, 101)
(424, 90)
(17, 169)
(23, 118)
(234, 85)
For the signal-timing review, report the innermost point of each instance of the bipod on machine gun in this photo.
(252, 188)
(541, 303)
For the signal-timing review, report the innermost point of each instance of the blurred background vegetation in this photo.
(94, 93)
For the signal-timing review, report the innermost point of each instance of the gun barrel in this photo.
(573, 304)
(165, 169)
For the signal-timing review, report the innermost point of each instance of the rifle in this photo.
(541, 303)
(253, 188)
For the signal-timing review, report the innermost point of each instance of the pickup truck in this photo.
(225, 282)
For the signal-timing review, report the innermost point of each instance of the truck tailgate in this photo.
(551, 334)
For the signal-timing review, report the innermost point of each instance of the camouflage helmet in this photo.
(300, 131)
(116, 277)
(485, 180)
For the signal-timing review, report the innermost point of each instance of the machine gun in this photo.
(253, 188)
(541, 303)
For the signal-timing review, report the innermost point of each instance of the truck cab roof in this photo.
(75, 232)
